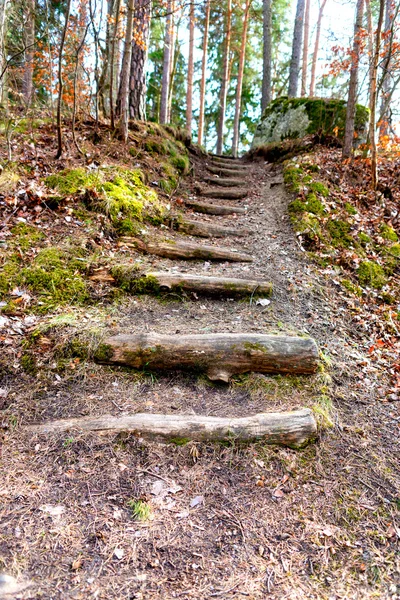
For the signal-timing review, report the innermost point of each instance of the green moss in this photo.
(9, 274)
(250, 347)
(72, 181)
(25, 236)
(181, 163)
(129, 279)
(128, 227)
(314, 205)
(28, 363)
(394, 250)
(154, 146)
(349, 208)
(292, 177)
(340, 233)
(179, 441)
(319, 188)
(353, 289)
(371, 274)
(141, 511)
(297, 206)
(103, 353)
(364, 238)
(388, 233)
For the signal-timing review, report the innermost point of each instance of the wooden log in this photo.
(228, 194)
(224, 182)
(230, 164)
(225, 171)
(224, 157)
(228, 286)
(219, 355)
(205, 229)
(215, 209)
(186, 250)
(293, 428)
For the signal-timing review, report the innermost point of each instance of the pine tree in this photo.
(296, 49)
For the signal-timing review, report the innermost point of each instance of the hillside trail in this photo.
(225, 520)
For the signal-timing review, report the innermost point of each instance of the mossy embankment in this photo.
(51, 249)
(337, 229)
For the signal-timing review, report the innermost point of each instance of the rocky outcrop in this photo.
(292, 118)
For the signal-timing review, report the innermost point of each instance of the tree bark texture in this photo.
(373, 98)
(123, 94)
(225, 78)
(386, 68)
(27, 82)
(190, 72)
(293, 428)
(239, 84)
(215, 209)
(166, 73)
(186, 250)
(200, 133)
(353, 84)
(137, 82)
(3, 33)
(173, 59)
(296, 50)
(60, 81)
(305, 49)
(113, 60)
(316, 48)
(205, 229)
(219, 355)
(266, 96)
(226, 286)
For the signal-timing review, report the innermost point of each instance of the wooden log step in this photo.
(224, 156)
(228, 194)
(293, 428)
(205, 229)
(227, 286)
(228, 172)
(219, 355)
(186, 250)
(229, 164)
(215, 209)
(224, 182)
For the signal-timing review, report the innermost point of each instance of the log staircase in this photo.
(219, 356)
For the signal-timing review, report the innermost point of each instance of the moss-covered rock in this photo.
(388, 233)
(296, 117)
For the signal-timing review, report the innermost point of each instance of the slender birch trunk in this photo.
(189, 91)
(112, 62)
(296, 50)
(27, 82)
(173, 60)
(200, 133)
(239, 86)
(373, 98)
(266, 95)
(353, 84)
(383, 128)
(165, 83)
(124, 80)
(225, 78)
(305, 49)
(370, 43)
(316, 48)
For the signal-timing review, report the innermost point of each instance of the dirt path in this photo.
(226, 521)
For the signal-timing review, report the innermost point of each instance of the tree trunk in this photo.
(219, 355)
(166, 74)
(227, 286)
(189, 91)
(373, 98)
(173, 60)
(124, 80)
(185, 250)
(27, 82)
(239, 85)
(60, 81)
(305, 49)
(352, 95)
(370, 43)
(215, 209)
(267, 55)
(200, 133)
(202, 229)
(316, 48)
(137, 84)
(3, 33)
(384, 113)
(225, 78)
(104, 78)
(296, 50)
(113, 61)
(294, 428)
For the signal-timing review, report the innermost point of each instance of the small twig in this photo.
(154, 475)
(252, 294)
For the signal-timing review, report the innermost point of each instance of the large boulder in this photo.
(293, 118)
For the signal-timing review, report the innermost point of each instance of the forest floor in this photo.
(220, 520)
